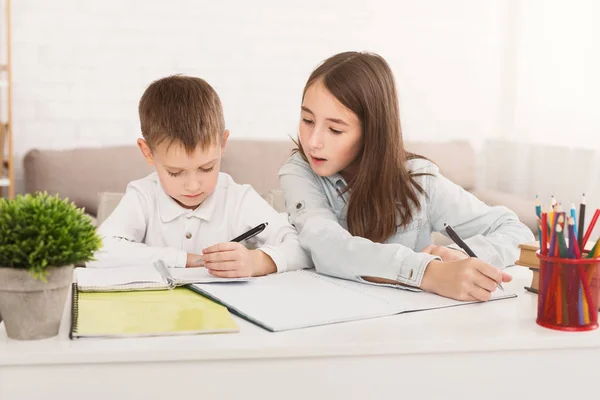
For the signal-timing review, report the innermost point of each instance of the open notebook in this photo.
(146, 313)
(145, 277)
(300, 299)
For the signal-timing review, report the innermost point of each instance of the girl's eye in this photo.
(207, 169)
(307, 121)
(335, 131)
(174, 174)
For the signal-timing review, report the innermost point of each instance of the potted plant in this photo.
(41, 238)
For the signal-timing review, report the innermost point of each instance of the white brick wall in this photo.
(81, 66)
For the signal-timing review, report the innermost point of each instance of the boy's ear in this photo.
(146, 152)
(224, 141)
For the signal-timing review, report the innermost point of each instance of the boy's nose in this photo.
(192, 185)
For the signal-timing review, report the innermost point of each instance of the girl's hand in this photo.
(470, 279)
(233, 260)
(445, 253)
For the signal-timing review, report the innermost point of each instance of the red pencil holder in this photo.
(568, 293)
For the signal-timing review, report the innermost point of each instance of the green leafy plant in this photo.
(40, 231)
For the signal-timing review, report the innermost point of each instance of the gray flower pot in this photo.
(32, 309)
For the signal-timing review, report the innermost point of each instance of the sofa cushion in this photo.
(276, 199)
(524, 208)
(107, 202)
(455, 159)
(80, 174)
(256, 162)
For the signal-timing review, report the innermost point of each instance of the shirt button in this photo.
(188, 235)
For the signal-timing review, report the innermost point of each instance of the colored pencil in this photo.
(574, 216)
(581, 222)
(549, 272)
(590, 228)
(580, 308)
(592, 253)
(544, 242)
(585, 295)
(564, 278)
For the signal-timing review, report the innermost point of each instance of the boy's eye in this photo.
(335, 131)
(307, 121)
(207, 169)
(174, 174)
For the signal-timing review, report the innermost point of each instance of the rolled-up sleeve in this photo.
(333, 249)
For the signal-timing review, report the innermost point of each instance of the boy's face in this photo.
(188, 179)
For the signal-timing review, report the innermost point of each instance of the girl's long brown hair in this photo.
(383, 189)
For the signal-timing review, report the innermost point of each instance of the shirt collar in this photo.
(337, 181)
(169, 209)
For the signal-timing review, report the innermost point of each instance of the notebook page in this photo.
(134, 277)
(182, 276)
(411, 300)
(296, 299)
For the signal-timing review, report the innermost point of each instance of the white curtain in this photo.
(552, 140)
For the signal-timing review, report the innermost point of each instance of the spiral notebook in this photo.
(146, 313)
(304, 298)
(147, 277)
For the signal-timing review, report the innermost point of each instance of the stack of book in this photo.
(527, 258)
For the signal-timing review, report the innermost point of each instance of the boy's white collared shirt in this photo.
(148, 225)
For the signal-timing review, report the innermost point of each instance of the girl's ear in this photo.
(146, 152)
(224, 141)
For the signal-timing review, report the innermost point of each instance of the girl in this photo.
(365, 208)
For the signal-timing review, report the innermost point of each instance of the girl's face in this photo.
(330, 134)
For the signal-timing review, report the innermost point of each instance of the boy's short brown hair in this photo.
(181, 109)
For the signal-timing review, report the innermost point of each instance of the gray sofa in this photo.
(95, 178)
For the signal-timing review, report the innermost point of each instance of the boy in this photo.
(187, 211)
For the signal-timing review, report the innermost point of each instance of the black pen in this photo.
(244, 236)
(456, 239)
(251, 233)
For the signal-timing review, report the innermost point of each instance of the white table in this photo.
(484, 351)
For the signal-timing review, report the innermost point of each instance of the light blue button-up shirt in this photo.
(318, 211)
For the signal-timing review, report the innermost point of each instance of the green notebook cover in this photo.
(146, 313)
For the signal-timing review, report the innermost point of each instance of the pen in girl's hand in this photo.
(457, 239)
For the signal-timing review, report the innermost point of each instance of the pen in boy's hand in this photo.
(457, 239)
(251, 233)
(244, 236)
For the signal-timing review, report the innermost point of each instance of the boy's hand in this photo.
(194, 261)
(466, 280)
(445, 253)
(233, 260)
